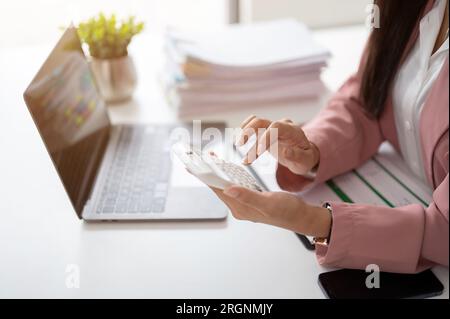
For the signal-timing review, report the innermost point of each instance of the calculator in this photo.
(212, 170)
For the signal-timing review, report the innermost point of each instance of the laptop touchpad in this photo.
(180, 177)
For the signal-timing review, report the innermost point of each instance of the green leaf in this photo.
(106, 37)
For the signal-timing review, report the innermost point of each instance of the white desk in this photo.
(40, 235)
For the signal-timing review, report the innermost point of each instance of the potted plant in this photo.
(108, 42)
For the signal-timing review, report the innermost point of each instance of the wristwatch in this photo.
(325, 240)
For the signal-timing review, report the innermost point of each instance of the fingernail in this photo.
(260, 149)
(231, 192)
(248, 160)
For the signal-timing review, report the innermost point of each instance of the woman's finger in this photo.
(253, 152)
(247, 120)
(251, 129)
(239, 210)
(242, 211)
(264, 141)
(299, 161)
(248, 197)
(219, 193)
(271, 135)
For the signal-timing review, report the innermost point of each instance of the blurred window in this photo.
(28, 22)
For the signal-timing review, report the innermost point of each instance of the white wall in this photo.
(315, 13)
(29, 22)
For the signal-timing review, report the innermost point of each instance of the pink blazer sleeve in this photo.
(344, 134)
(405, 239)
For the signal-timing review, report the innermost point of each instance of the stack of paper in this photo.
(242, 66)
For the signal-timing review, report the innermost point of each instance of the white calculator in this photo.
(212, 170)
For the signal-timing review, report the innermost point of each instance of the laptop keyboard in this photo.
(138, 179)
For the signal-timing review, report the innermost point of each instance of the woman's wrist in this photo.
(320, 221)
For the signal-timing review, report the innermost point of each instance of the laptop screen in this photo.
(71, 116)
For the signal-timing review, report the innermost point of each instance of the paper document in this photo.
(289, 41)
(242, 66)
(384, 180)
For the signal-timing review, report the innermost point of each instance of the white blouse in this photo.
(413, 83)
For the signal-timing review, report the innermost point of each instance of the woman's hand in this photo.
(295, 151)
(278, 209)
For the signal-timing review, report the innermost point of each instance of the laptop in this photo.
(110, 172)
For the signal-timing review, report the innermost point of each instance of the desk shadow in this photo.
(155, 224)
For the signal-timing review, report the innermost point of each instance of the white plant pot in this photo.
(116, 78)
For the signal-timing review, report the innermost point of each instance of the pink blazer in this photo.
(405, 239)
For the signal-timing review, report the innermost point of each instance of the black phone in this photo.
(306, 242)
(351, 284)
